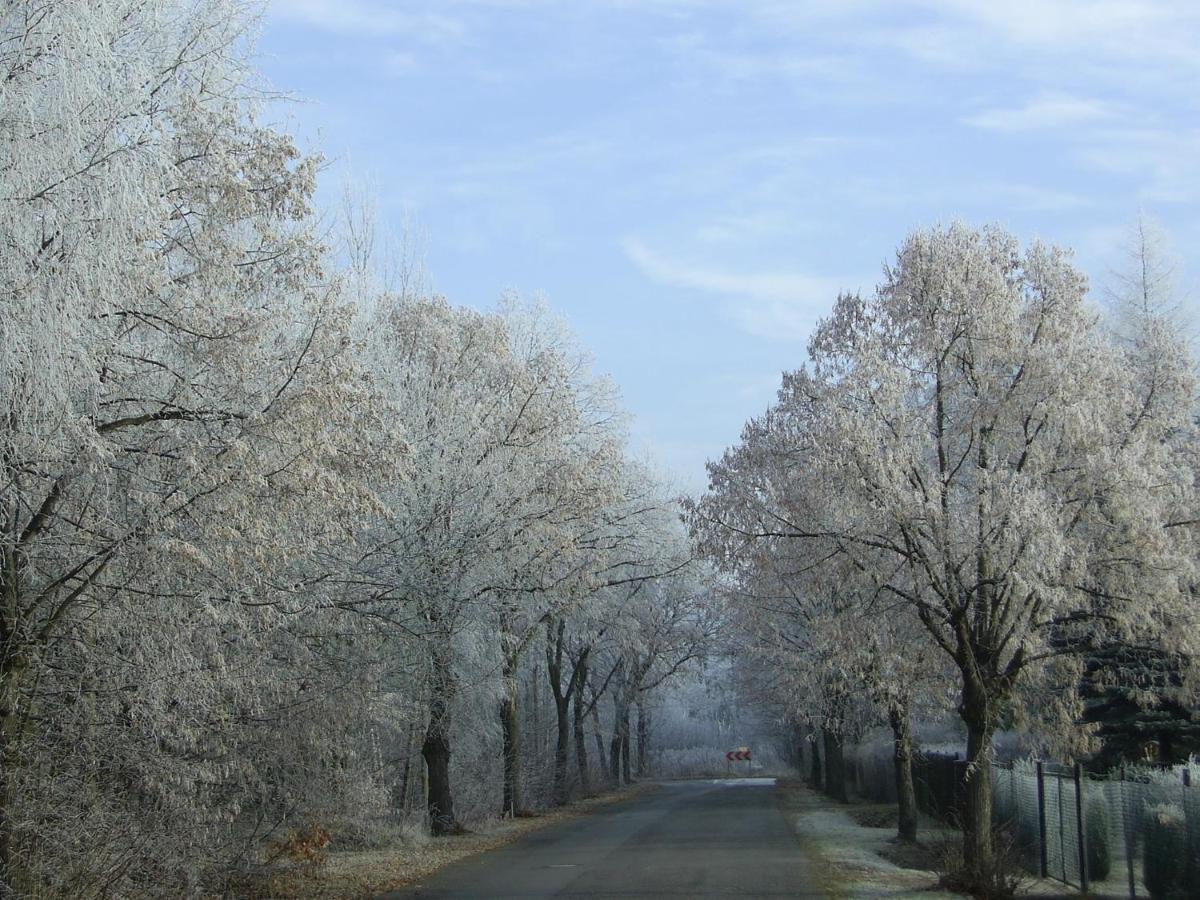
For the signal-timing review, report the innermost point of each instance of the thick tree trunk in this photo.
(977, 793)
(436, 750)
(562, 744)
(13, 671)
(563, 695)
(976, 658)
(598, 737)
(643, 737)
(510, 732)
(906, 795)
(835, 766)
(814, 777)
(581, 758)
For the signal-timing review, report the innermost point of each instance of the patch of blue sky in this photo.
(692, 183)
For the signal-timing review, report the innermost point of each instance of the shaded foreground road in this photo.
(687, 839)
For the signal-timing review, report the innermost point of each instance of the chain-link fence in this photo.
(1133, 833)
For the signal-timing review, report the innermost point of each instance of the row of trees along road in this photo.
(975, 477)
(272, 537)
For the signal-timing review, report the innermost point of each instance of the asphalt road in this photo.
(686, 839)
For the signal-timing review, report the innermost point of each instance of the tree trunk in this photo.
(977, 791)
(509, 713)
(581, 759)
(835, 766)
(510, 731)
(615, 746)
(625, 767)
(599, 739)
(814, 778)
(563, 694)
(12, 672)
(562, 744)
(535, 715)
(436, 750)
(400, 800)
(906, 795)
(643, 735)
(976, 657)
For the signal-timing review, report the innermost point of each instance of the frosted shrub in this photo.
(1164, 860)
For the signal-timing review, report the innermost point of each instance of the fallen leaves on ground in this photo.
(354, 874)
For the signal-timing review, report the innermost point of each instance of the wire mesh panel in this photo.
(1135, 832)
(1062, 855)
(1160, 810)
(1110, 837)
(1190, 802)
(1015, 811)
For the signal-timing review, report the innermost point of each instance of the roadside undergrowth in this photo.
(353, 874)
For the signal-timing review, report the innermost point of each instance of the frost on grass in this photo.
(850, 856)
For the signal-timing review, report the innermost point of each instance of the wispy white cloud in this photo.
(1163, 159)
(1047, 111)
(772, 305)
(1132, 27)
(365, 18)
(1116, 40)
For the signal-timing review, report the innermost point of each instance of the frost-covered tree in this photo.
(572, 515)
(507, 513)
(989, 440)
(980, 437)
(810, 609)
(1135, 690)
(635, 542)
(175, 385)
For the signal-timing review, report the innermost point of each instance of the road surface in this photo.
(687, 839)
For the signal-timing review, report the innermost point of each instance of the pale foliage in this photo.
(179, 432)
(971, 445)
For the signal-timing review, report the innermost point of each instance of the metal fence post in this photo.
(1130, 831)
(1062, 827)
(1041, 795)
(1080, 830)
(1189, 830)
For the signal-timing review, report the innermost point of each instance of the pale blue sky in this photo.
(691, 183)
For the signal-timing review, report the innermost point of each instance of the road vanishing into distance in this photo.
(684, 839)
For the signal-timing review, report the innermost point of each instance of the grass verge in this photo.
(854, 853)
(354, 874)
(852, 848)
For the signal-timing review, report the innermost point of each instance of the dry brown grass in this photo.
(354, 874)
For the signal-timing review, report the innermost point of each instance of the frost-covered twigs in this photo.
(972, 459)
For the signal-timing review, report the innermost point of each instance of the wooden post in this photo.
(1080, 827)
(1041, 794)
